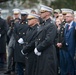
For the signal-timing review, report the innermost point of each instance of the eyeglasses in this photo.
(64, 14)
(43, 11)
(31, 18)
(16, 14)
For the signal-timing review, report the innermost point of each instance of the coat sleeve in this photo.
(49, 39)
(29, 48)
(4, 28)
(16, 36)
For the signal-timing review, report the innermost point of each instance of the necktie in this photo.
(68, 27)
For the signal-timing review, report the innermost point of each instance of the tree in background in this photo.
(30, 3)
(3, 1)
(24, 3)
(64, 4)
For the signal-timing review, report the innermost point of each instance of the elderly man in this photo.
(28, 50)
(67, 55)
(70, 42)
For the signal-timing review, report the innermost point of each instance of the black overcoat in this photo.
(47, 61)
(29, 49)
(19, 32)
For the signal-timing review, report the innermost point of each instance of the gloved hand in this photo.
(36, 52)
(23, 52)
(20, 41)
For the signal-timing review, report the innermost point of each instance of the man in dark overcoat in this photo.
(44, 45)
(19, 35)
(28, 49)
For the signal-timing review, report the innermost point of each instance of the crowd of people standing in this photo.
(41, 43)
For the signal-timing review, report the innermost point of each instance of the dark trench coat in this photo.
(19, 32)
(47, 61)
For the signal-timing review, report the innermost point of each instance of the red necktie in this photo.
(68, 27)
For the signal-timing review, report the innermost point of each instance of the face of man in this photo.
(32, 22)
(69, 17)
(44, 14)
(16, 15)
(23, 17)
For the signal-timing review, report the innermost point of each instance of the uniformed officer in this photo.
(16, 15)
(44, 45)
(24, 15)
(19, 35)
(56, 14)
(60, 39)
(33, 21)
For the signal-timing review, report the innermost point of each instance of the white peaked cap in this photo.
(33, 16)
(15, 11)
(65, 10)
(46, 8)
(23, 12)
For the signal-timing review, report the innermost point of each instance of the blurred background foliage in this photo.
(33, 3)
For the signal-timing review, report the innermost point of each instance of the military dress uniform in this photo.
(47, 61)
(60, 39)
(29, 50)
(29, 46)
(44, 45)
(60, 36)
(19, 32)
